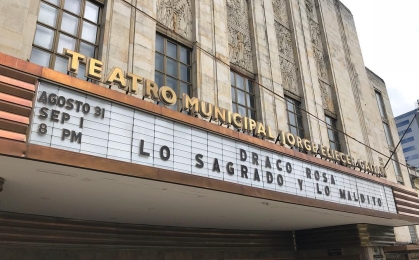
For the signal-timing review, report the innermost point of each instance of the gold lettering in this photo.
(323, 151)
(329, 154)
(290, 139)
(151, 90)
(348, 159)
(189, 104)
(205, 109)
(135, 80)
(269, 134)
(342, 158)
(74, 60)
(306, 144)
(315, 147)
(167, 96)
(367, 166)
(236, 120)
(252, 124)
(245, 122)
(299, 143)
(94, 69)
(219, 115)
(383, 172)
(375, 169)
(281, 137)
(260, 130)
(360, 164)
(337, 157)
(116, 76)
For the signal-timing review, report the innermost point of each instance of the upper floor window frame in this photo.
(71, 24)
(380, 104)
(384, 119)
(388, 135)
(294, 116)
(173, 66)
(243, 95)
(333, 134)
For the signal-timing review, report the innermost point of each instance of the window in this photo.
(388, 134)
(70, 24)
(380, 104)
(402, 123)
(412, 157)
(405, 115)
(389, 138)
(413, 236)
(396, 165)
(409, 130)
(407, 140)
(332, 133)
(243, 95)
(295, 122)
(408, 149)
(173, 67)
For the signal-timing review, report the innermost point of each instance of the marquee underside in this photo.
(46, 189)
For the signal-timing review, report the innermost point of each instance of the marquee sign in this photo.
(168, 97)
(82, 123)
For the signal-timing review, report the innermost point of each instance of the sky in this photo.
(388, 32)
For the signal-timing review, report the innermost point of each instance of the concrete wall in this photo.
(128, 41)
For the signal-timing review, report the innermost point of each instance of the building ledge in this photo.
(402, 249)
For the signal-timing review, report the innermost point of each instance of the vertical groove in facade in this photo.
(285, 35)
(310, 125)
(354, 79)
(261, 89)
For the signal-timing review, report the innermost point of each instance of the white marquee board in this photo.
(118, 135)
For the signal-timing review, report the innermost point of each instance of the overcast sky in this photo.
(389, 35)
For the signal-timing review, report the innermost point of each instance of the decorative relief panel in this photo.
(315, 34)
(326, 90)
(176, 15)
(310, 10)
(319, 56)
(286, 52)
(321, 65)
(239, 45)
(284, 42)
(280, 12)
(289, 76)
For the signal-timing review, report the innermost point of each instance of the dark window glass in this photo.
(333, 133)
(242, 95)
(380, 104)
(413, 236)
(388, 134)
(396, 165)
(402, 123)
(411, 113)
(409, 130)
(173, 67)
(412, 157)
(407, 140)
(70, 24)
(408, 149)
(295, 124)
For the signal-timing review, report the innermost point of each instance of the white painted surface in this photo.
(117, 136)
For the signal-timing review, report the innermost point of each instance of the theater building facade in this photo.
(195, 129)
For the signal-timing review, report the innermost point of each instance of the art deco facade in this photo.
(96, 165)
